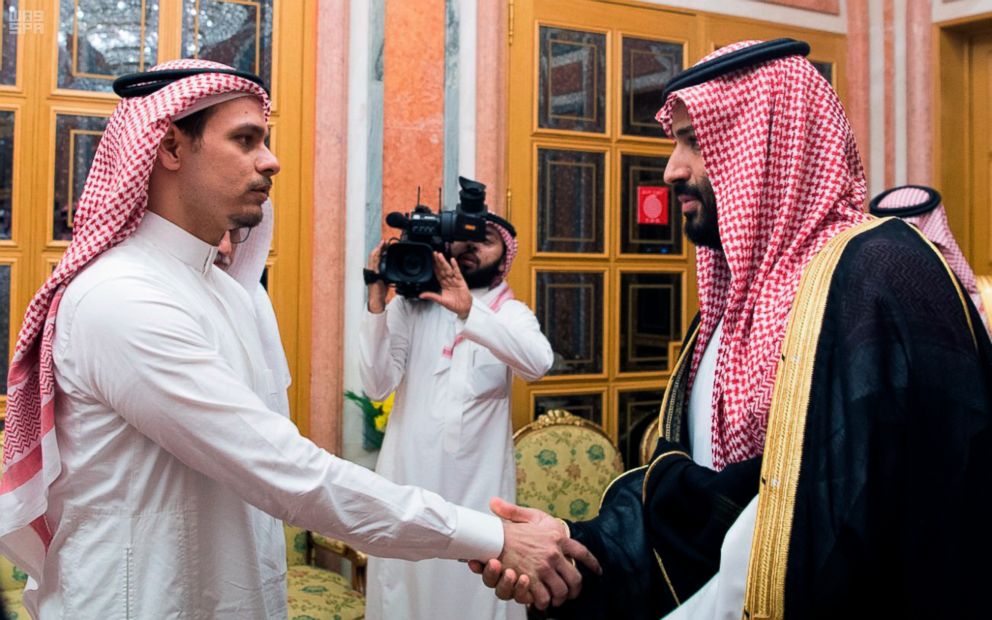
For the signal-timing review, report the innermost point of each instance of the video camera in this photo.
(408, 263)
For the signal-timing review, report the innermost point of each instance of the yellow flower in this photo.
(385, 406)
(380, 421)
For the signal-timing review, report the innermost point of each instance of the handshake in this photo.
(538, 562)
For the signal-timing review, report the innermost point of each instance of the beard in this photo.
(250, 219)
(481, 277)
(701, 226)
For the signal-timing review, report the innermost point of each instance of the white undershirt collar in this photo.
(177, 241)
(701, 402)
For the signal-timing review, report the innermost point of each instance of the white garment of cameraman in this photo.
(449, 432)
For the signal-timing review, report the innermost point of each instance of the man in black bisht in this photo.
(826, 447)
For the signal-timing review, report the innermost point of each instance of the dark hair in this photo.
(194, 124)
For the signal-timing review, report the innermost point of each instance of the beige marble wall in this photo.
(328, 259)
(490, 107)
(919, 93)
(858, 76)
(413, 104)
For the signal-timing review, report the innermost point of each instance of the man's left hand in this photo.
(454, 294)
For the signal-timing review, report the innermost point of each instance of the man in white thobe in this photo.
(158, 488)
(450, 359)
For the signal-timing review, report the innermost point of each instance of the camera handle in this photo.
(371, 277)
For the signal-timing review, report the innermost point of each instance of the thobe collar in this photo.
(178, 242)
(486, 294)
(479, 293)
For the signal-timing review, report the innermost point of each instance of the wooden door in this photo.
(612, 295)
(976, 232)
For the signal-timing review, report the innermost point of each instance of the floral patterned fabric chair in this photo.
(12, 583)
(317, 593)
(564, 465)
(985, 292)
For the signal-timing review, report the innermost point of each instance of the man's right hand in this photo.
(377, 290)
(537, 548)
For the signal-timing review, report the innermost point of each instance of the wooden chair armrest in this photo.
(358, 559)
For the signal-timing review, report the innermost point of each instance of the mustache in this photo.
(261, 186)
(684, 188)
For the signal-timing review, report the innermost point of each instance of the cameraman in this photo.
(448, 356)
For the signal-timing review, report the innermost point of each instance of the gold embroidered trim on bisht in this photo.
(665, 421)
(765, 593)
(664, 573)
(644, 485)
(661, 565)
(615, 480)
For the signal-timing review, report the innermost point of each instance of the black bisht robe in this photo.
(892, 512)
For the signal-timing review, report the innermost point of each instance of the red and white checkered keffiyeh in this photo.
(933, 225)
(111, 206)
(787, 176)
(510, 243)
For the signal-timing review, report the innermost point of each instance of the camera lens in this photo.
(412, 264)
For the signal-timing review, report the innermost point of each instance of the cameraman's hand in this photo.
(377, 290)
(454, 294)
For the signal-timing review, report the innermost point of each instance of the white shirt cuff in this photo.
(374, 324)
(477, 536)
(373, 316)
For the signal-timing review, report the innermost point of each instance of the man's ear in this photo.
(170, 149)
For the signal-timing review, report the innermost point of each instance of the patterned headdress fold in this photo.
(509, 235)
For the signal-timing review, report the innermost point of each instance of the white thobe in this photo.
(173, 460)
(449, 431)
(722, 598)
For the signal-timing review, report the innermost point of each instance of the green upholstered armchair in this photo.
(564, 465)
(985, 292)
(12, 583)
(317, 593)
